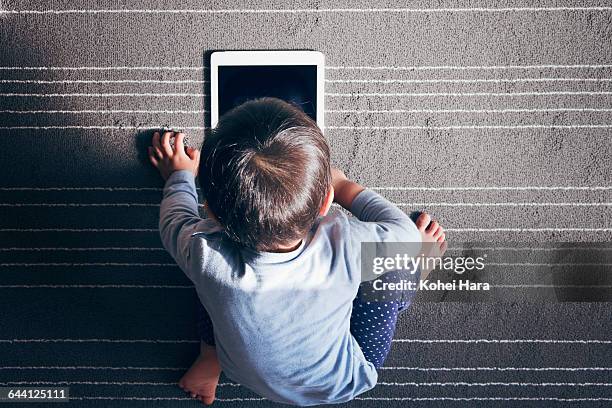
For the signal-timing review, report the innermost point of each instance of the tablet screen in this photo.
(296, 84)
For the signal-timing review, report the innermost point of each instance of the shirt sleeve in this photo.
(386, 221)
(380, 221)
(179, 219)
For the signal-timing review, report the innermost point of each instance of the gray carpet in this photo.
(497, 121)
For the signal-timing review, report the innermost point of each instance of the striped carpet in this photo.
(495, 117)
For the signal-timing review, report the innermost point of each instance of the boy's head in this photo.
(265, 173)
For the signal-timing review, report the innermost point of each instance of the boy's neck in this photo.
(288, 247)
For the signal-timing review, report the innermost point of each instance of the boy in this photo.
(278, 276)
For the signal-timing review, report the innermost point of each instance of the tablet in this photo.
(294, 76)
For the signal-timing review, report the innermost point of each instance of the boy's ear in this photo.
(329, 199)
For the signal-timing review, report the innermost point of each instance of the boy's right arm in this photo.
(179, 217)
(381, 220)
(386, 221)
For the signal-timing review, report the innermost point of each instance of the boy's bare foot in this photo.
(433, 238)
(201, 380)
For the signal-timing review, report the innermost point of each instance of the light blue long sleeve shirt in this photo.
(281, 320)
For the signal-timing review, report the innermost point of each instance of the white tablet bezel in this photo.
(247, 58)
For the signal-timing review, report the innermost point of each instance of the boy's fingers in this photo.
(193, 153)
(165, 144)
(157, 145)
(152, 157)
(157, 152)
(179, 145)
(155, 141)
(189, 152)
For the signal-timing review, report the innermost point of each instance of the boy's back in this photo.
(281, 320)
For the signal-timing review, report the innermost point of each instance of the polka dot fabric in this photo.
(373, 326)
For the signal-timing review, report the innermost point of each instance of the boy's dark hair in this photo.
(265, 172)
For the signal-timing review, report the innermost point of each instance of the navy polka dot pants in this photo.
(373, 319)
(375, 315)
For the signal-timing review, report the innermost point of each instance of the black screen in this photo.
(296, 84)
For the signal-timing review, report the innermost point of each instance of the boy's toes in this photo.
(423, 221)
(442, 237)
(433, 228)
(438, 233)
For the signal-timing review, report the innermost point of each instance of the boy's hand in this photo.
(345, 190)
(168, 160)
(338, 177)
